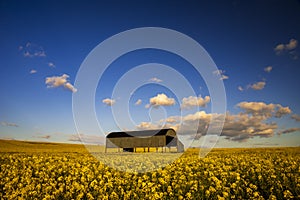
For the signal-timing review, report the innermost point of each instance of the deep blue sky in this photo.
(240, 36)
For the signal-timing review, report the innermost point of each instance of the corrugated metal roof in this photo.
(142, 133)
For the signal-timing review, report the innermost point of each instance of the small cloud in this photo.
(240, 88)
(221, 73)
(44, 136)
(296, 117)
(294, 55)
(268, 69)
(108, 101)
(9, 124)
(33, 71)
(193, 101)
(281, 48)
(31, 50)
(27, 54)
(292, 44)
(51, 64)
(258, 85)
(289, 130)
(154, 79)
(138, 102)
(57, 81)
(162, 100)
(90, 139)
(40, 54)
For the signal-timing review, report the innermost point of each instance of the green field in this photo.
(31, 170)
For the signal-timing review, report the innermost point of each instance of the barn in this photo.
(131, 140)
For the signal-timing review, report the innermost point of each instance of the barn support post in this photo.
(148, 149)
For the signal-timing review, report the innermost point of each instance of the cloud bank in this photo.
(252, 121)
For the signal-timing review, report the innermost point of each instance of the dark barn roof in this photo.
(143, 133)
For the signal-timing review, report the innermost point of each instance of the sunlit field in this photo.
(64, 171)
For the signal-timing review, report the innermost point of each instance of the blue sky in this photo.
(254, 44)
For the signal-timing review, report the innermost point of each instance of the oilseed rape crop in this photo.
(223, 174)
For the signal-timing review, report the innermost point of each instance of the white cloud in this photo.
(197, 116)
(31, 50)
(268, 69)
(289, 130)
(161, 100)
(172, 119)
(154, 79)
(147, 126)
(192, 101)
(44, 136)
(9, 124)
(51, 64)
(138, 102)
(281, 111)
(240, 88)
(257, 108)
(108, 101)
(292, 44)
(70, 87)
(258, 85)
(296, 117)
(281, 48)
(253, 121)
(33, 71)
(221, 73)
(27, 54)
(264, 110)
(90, 139)
(57, 81)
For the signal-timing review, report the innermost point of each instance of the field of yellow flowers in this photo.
(61, 171)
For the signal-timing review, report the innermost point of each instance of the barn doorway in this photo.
(127, 149)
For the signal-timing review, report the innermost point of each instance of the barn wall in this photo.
(173, 143)
(131, 142)
(180, 146)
